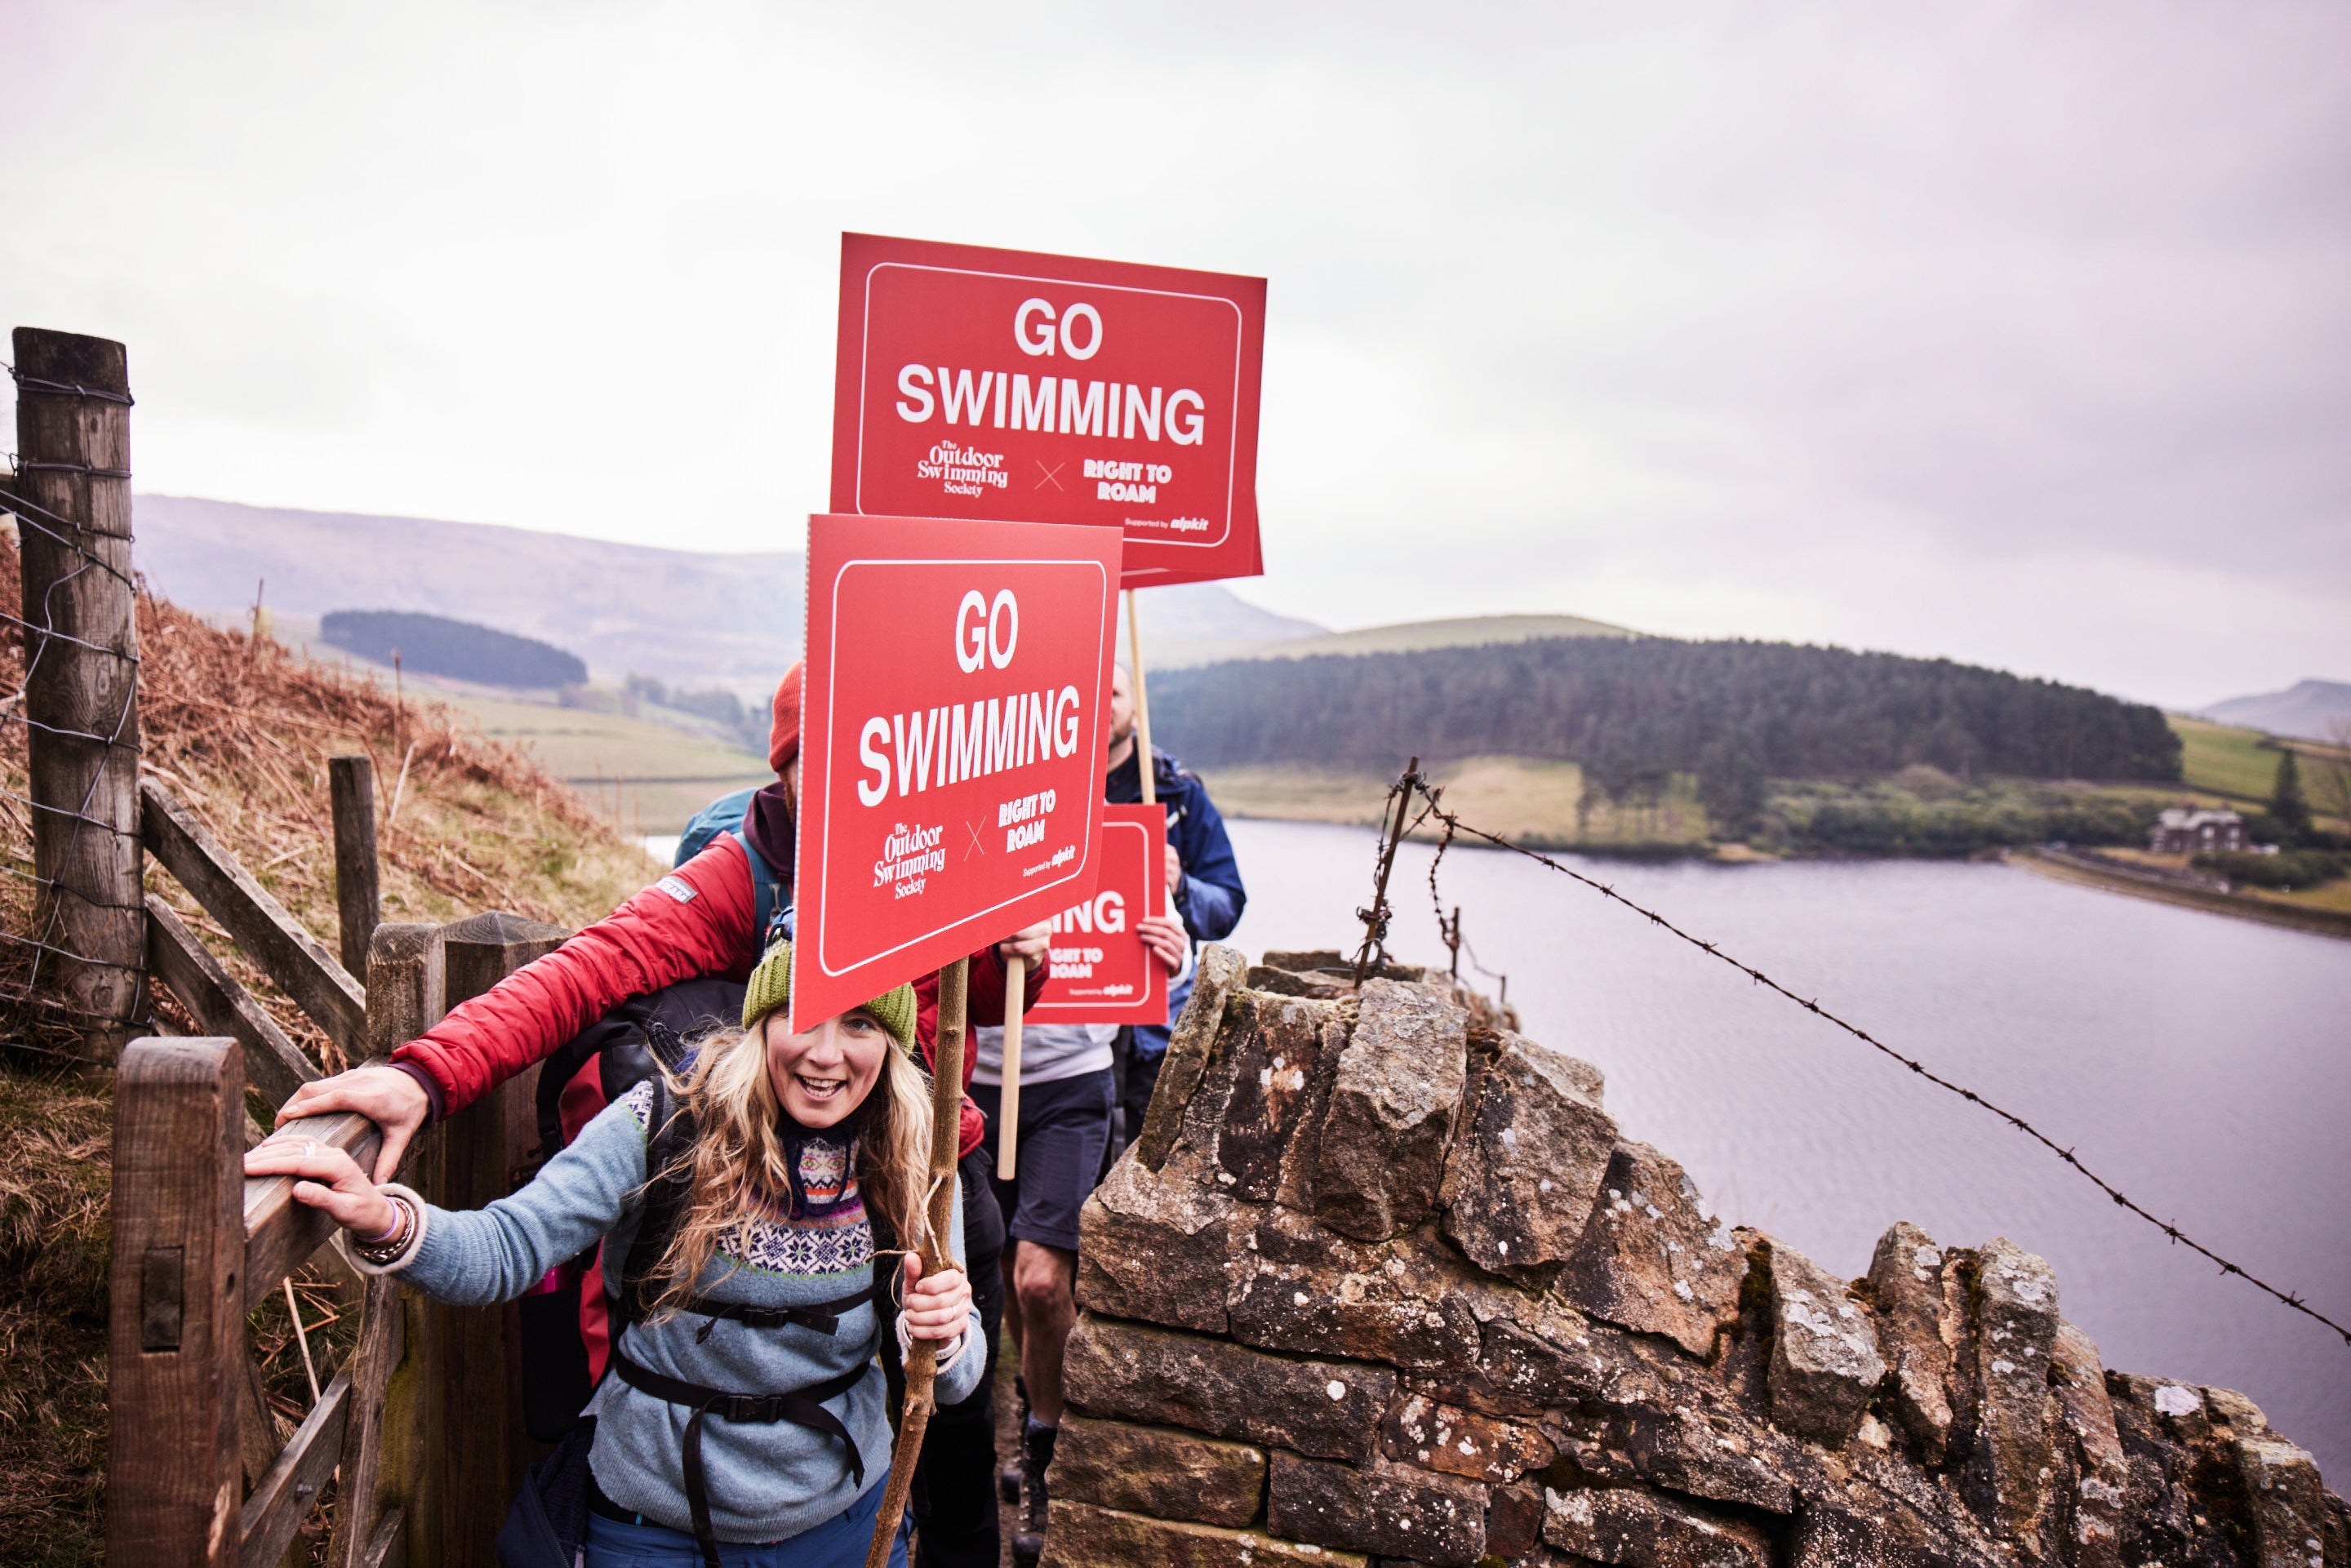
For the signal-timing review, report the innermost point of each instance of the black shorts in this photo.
(1064, 1131)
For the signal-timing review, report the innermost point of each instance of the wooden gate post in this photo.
(176, 1352)
(358, 898)
(487, 1151)
(81, 685)
(399, 1451)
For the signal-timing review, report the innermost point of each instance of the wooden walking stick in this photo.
(922, 1355)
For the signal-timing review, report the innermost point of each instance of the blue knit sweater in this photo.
(766, 1482)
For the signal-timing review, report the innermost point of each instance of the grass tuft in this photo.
(55, 1132)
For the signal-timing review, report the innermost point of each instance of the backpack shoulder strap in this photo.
(669, 1134)
(563, 1066)
(767, 894)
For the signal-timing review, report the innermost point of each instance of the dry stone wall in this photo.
(1382, 1282)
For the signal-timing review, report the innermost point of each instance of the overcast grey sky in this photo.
(2016, 333)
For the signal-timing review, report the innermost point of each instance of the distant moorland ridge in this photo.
(688, 618)
(2313, 710)
(1625, 705)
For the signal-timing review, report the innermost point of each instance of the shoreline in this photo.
(2056, 864)
(2060, 866)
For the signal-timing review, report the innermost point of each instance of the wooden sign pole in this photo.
(922, 1356)
(1141, 704)
(1007, 1129)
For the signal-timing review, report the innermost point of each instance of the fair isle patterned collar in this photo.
(821, 1232)
(818, 1231)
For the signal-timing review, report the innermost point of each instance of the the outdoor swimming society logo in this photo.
(908, 857)
(962, 470)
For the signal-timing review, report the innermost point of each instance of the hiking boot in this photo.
(1008, 1476)
(1035, 1455)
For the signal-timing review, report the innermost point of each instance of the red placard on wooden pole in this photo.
(955, 714)
(1101, 972)
(986, 384)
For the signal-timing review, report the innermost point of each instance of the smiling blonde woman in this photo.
(739, 1424)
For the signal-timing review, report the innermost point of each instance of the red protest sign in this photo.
(998, 383)
(954, 719)
(1101, 972)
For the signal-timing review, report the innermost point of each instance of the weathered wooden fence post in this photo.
(398, 1455)
(358, 893)
(82, 673)
(486, 1153)
(176, 1342)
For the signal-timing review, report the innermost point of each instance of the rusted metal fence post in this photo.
(486, 1151)
(175, 1361)
(1375, 919)
(358, 894)
(81, 675)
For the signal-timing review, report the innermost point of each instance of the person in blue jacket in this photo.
(1080, 1083)
(1201, 871)
(741, 1423)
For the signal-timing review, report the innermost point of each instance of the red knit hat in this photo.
(783, 737)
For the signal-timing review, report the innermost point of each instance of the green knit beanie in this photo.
(772, 988)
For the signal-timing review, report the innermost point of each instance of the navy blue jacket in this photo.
(1210, 897)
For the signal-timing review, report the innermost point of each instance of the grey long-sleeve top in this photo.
(767, 1482)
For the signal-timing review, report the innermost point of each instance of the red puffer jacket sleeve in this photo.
(983, 1007)
(695, 921)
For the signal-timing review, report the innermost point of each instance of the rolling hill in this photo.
(688, 618)
(1629, 707)
(2307, 710)
(1471, 632)
(1652, 744)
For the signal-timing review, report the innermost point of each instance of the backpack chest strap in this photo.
(801, 1406)
(824, 1317)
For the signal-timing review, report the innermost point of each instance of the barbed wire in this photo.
(1449, 930)
(67, 389)
(1454, 825)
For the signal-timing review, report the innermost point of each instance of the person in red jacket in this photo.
(697, 922)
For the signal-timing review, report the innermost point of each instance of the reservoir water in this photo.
(2200, 1063)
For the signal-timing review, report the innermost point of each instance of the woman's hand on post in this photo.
(384, 1095)
(1163, 935)
(330, 1180)
(1026, 946)
(938, 1306)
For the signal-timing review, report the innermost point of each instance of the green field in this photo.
(646, 778)
(1534, 802)
(2225, 760)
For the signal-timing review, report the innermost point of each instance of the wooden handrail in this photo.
(292, 958)
(281, 1233)
(281, 1498)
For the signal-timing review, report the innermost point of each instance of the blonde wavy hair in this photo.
(737, 1157)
